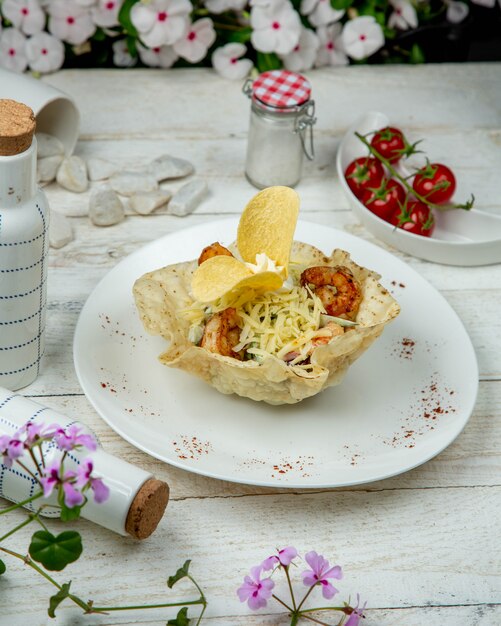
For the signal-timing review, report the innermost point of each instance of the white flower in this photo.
(27, 15)
(86, 3)
(404, 15)
(331, 50)
(485, 3)
(161, 22)
(105, 14)
(362, 37)
(276, 28)
(320, 12)
(121, 55)
(164, 56)
(227, 61)
(45, 53)
(13, 50)
(303, 56)
(219, 6)
(457, 11)
(197, 40)
(70, 22)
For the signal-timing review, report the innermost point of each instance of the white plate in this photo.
(463, 238)
(400, 404)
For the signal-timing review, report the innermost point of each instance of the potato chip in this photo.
(259, 283)
(267, 225)
(217, 276)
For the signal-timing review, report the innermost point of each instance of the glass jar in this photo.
(280, 130)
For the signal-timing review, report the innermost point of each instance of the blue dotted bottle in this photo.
(24, 241)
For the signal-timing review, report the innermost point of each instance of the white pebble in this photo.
(47, 146)
(100, 169)
(72, 175)
(146, 203)
(129, 183)
(60, 231)
(166, 167)
(105, 207)
(47, 168)
(186, 200)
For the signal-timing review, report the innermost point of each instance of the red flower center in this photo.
(44, 51)
(24, 11)
(12, 52)
(296, 49)
(233, 60)
(362, 37)
(156, 50)
(110, 6)
(275, 25)
(192, 35)
(70, 20)
(330, 46)
(398, 11)
(162, 16)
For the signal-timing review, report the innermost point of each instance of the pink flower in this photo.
(13, 50)
(11, 448)
(276, 28)
(331, 50)
(72, 437)
(164, 56)
(357, 614)
(227, 61)
(45, 53)
(84, 477)
(404, 15)
(27, 15)
(284, 558)
(320, 12)
(256, 591)
(362, 36)
(35, 433)
(53, 477)
(70, 22)
(319, 574)
(303, 55)
(161, 22)
(198, 38)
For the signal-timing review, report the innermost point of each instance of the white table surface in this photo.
(423, 547)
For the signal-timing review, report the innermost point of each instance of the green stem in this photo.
(27, 521)
(218, 26)
(290, 588)
(283, 604)
(35, 460)
(305, 597)
(22, 503)
(313, 619)
(27, 469)
(106, 609)
(202, 598)
(326, 608)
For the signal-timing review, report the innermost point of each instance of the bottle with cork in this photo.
(24, 222)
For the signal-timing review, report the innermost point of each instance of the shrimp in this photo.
(222, 333)
(336, 287)
(326, 334)
(215, 249)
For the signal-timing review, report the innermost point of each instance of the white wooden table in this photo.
(424, 547)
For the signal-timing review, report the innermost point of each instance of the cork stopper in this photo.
(17, 126)
(147, 508)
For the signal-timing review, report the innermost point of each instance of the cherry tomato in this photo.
(415, 218)
(364, 173)
(390, 143)
(435, 182)
(385, 200)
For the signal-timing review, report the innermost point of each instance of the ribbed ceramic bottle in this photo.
(24, 223)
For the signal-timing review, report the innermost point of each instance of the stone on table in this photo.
(129, 183)
(48, 146)
(186, 200)
(60, 231)
(166, 167)
(47, 168)
(72, 174)
(100, 169)
(146, 203)
(105, 207)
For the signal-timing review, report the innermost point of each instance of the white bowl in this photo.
(460, 237)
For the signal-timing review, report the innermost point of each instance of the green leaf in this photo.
(182, 618)
(417, 54)
(124, 17)
(241, 36)
(68, 514)
(55, 600)
(268, 61)
(3, 569)
(341, 5)
(182, 572)
(132, 46)
(55, 553)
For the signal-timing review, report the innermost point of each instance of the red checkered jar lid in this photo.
(280, 89)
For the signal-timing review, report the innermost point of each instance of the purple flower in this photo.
(284, 557)
(255, 590)
(73, 437)
(319, 574)
(54, 477)
(357, 614)
(36, 433)
(84, 477)
(11, 448)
